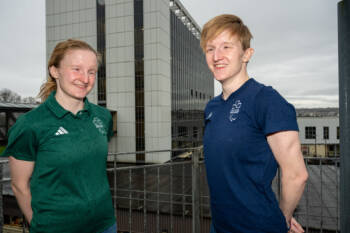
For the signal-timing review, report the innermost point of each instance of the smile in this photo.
(219, 66)
(80, 86)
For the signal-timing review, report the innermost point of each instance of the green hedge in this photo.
(2, 148)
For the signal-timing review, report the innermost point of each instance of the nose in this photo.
(84, 77)
(217, 55)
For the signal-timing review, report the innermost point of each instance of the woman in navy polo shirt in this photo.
(58, 151)
(250, 130)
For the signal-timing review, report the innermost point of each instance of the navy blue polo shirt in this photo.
(240, 164)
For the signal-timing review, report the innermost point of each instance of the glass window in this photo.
(325, 132)
(195, 132)
(310, 132)
(338, 132)
(101, 48)
(139, 79)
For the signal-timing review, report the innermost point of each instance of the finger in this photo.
(297, 226)
(297, 229)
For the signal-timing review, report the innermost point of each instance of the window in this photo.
(139, 80)
(338, 132)
(310, 132)
(182, 131)
(101, 48)
(325, 132)
(195, 132)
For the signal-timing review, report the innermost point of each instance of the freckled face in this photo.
(225, 56)
(76, 74)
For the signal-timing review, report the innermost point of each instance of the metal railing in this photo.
(318, 209)
(168, 197)
(173, 197)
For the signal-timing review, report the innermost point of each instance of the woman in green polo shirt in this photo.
(58, 151)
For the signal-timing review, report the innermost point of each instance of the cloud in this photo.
(295, 45)
(22, 60)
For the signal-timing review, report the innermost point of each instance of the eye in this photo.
(93, 73)
(76, 69)
(209, 50)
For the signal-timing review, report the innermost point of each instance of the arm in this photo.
(285, 146)
(21, 172)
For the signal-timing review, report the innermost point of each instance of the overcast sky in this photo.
(295, 45)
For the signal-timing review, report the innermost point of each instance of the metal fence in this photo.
(168, 197)
(173, 197)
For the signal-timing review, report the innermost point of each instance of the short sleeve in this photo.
(21, 141)
(274, 113)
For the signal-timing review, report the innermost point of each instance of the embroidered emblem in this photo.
(209, 116)
(235, 110)
(61, 131)
(99, 125)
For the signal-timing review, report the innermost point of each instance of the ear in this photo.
(53, 72)
(248, 53)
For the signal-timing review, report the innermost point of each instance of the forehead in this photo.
(224, 37)
(79, 56)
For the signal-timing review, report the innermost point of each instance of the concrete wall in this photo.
(71, 19)
(120, 80)
(319, 123)
(157, 79)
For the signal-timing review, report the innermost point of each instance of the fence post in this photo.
(195, 192)
(1, 201)
(344, 111)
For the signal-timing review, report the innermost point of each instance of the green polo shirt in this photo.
(69, 185)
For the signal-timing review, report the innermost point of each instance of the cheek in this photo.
(66, 76)
(208, 59)
(92, 81)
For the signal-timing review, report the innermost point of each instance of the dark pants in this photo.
(112, 229)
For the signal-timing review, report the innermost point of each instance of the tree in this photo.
(29, 100)
(6, 95)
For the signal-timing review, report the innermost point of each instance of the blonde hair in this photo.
(222, 23)
(57, 56)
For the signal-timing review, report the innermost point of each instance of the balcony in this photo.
(173, 197)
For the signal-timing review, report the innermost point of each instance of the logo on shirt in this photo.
(209, 116)
(235, 110)
(99, 125)
(61, 131)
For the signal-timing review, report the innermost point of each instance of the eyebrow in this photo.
(225, 43)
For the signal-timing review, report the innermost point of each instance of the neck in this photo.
(70, 104)
(232, 85)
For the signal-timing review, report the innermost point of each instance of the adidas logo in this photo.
(61, 131)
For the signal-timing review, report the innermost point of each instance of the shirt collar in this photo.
(58, 110)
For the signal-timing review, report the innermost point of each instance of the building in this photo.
(319, 133)
(9, 112)
(153, 72)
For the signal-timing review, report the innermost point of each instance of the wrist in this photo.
(289, 223)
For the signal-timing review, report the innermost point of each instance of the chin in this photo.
(80, 96)
(220, 79)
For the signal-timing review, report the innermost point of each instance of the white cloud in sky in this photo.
(295, 45)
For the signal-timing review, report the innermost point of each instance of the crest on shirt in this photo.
(235, 110)
(99, 125)
(209, 116)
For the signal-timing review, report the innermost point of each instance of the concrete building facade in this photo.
(319, 136)
(139, 77)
